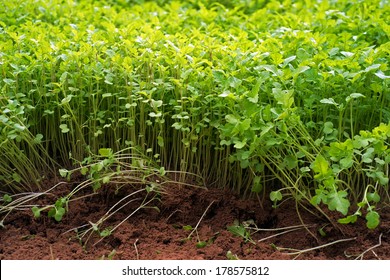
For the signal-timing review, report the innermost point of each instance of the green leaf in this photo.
(97, 185)
(368, 156)
(346, 162)
(160, 141)
(372, 67)
(245, 125)
(155, 115)
(111, 254)
(301, 69)
(105, 152)
(38, 139)
(188, 228)
(319, 197)
(240, 144)
(59, 214)
(234, 82)
(7, 198)
(231, 256)
(272, 69)
(373, 219)
(337, 201)
(8, 81)
(106, 179)
(322, 232)
(379, 176)
(328, 128)
(231, 119)
(52, 212)
(321, 167)
(290, 161)
(347, 54)
(303, 54)
(36, 212)
(61, 202)
(354, 96)
(106, 232)
(275, 196)
(177, 125)
(257, 186)
(329, 101)
(16, 177)
(253, 96)
(156, 104)
(3, 119)
(348, 220)
(288, 60)
(240, 231)
(381, 75)
(84, 170)
(67, 99)
(19, 127)
(64, 128)
(63, 172)
(201, 244)
(333, 51)
(373, 197)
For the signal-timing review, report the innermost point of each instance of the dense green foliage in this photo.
(290, 97)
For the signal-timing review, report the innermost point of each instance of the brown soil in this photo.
(150, 234)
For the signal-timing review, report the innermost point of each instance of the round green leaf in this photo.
(275, 196)
(373, 197)
(373, 219)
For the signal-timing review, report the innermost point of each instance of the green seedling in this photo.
(201, 244)
(56, 211)
(188, 228)
(230, 109)
(106, 232)
(275, 197)
(110, 256)
(371, 198)
(231, 256)
(239, 230)
(7, 198)
(322, 232)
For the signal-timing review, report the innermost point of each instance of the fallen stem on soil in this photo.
(279, 229)
(20, 201)
(177, 210)
(196, 227)
(298, 252)
(125, 219)
(370, 249)
(281, 233)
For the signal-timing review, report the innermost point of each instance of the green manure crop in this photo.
(288, 99)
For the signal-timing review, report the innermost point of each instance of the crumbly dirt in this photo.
(167, 235)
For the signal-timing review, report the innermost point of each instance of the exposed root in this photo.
(136, 249)
(299, 252)
(197, 225)
(173, 213)
(284, 232)
(360, 257)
